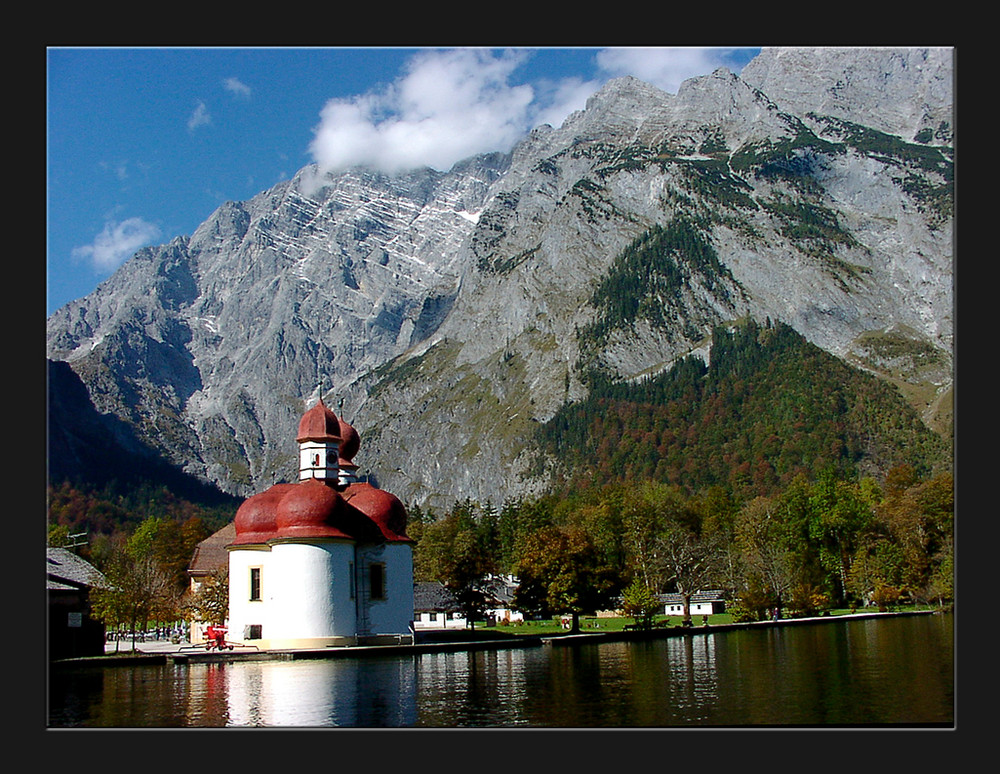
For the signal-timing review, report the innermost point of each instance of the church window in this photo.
(376, 580)
(255, 584)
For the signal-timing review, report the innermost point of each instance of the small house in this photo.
(502, 588)
(702, 603)
(434, 607)
(211, 555)
(73, 632)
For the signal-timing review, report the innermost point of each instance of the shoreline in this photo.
(161, 652)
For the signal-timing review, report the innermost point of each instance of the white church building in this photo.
(324, 561)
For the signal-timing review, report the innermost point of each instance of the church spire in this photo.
(319, 444)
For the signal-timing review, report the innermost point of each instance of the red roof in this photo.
(383, 508)
(311, 509)
(256, 518)
(316, 508)
(350, 441)
(319, 424)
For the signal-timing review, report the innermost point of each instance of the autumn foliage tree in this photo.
(210, 603)
(455, 551)
(561, 571)
(819, 542)
(139, 590)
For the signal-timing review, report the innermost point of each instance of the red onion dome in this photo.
(383, 508)
(318, 424)
(312, 509)
(255, 518)
(350, 442)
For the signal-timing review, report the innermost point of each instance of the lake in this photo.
(892, 671)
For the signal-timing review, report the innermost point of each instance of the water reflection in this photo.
(476, 688)
(895, 671)
(344, 692)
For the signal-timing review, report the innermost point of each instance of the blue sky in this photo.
(144, 144)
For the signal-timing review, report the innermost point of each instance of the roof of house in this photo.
(502, 588)
(433, 596)
(210, 554)
(713, 595)
(319, 424)
(66, 571)
(322, 508)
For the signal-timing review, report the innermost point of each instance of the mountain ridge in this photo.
(449, 311)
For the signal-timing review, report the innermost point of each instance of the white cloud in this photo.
(447, 106)
(557, 99)
(200, 117)
(665, 68)
(451, 104)
(237, 87)
(116, 243)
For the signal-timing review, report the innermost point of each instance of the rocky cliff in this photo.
(452, 312)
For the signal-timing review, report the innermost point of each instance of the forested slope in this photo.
(769, 406)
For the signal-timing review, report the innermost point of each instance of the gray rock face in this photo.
(214, 342)
(452, 312)
(899, 91)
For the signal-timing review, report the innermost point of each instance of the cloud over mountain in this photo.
(449, 105)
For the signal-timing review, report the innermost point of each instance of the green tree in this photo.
(601, 516)
(139, 591)
(644, 517)
(58, 535)
(110, 603)
(768, 563)
(941, 587)
(839, 516)
(170, 542)
(210, 603)
(507, 534)
(143, 540)
(561, 571)
(453, 551)
(640, 604)
(715, 509)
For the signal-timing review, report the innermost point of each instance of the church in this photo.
(324, 561)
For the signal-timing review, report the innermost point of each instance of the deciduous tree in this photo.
(690, 562)
(640, 604)
(210, 603)
(561, 571)
(762, 541)
(838, 517)
(139, 591)
(454, 551)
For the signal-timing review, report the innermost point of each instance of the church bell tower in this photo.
(319, 444)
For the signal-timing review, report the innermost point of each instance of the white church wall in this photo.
(392, 613)
(244, 609)
(312, 592)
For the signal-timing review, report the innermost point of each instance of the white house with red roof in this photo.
(326, 560)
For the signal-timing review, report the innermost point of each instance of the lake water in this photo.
(895, 671)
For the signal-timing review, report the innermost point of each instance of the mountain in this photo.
(451, 315)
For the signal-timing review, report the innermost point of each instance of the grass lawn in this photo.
(593, 624)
